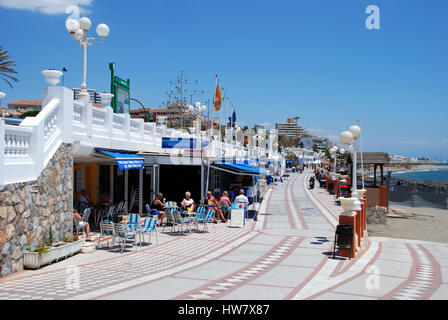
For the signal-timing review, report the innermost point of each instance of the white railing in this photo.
(99, 117)
(26, 149)
(17, 143)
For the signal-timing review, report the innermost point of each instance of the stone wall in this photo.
(376, 215)
(29, 210)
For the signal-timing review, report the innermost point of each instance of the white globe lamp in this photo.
(102, 30)
(347, 137)
(356, 131)
(79, 34)
(72, 25)
(85, 23)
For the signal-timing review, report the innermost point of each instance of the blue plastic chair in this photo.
(105, 215)
(132, 222)
(200, 214)
(171, 204)
(208, 218)
(107, 229)
(179, 221)
(123, 235)
(151, 212)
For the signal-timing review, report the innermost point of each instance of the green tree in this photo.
(6, 68)
(29, 114)
(287, 142)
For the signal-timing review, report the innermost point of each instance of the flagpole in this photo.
(362, 162)
(227, 113)
(220, 121)
(208, 166)
(214, 96)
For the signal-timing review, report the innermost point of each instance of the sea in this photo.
(420, 175)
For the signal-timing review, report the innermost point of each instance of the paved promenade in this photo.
(286, 254)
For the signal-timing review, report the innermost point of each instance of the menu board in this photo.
(238, 217)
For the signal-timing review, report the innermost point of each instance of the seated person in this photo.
(82, 224)
(104, 197)
(188, 202)
(242, 198)
(84, 201)
(158, 205)
(213, 204)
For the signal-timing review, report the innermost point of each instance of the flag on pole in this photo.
(232, 119)
(217, 99)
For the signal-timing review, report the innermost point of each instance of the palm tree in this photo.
(6, 67)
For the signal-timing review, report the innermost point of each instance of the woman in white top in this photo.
(188, 202)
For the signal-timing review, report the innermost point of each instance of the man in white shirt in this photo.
(241, 198)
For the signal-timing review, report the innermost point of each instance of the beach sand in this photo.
(412, 168)
(426, 224)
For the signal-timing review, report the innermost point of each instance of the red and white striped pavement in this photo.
(285, 254)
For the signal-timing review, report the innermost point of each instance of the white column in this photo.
(111, 187)
(65, 114)
(140, 188)
(88, 120)
(355, 187)
(126, 181)
(202, 181)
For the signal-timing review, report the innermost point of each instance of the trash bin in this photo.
(343, 238)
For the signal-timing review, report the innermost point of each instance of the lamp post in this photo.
(349, 138)
(356, 132)
(342, 151)
(78, 29)
(198, 109)
(333, 151)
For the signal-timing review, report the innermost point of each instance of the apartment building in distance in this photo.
(16, 108)
(290, 128)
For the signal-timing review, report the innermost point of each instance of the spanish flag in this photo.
(217, 99)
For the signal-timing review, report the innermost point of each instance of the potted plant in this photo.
(48, 252)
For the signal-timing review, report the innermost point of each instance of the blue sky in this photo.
(275, 59)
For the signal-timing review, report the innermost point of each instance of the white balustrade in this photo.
(134, 126)
(26, 149)
(78, 111)
(17, 142)
(99, 117)
(118, 122)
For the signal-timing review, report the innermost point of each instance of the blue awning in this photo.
(126, 161)
(244, 168)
